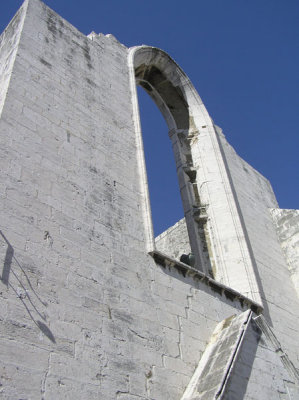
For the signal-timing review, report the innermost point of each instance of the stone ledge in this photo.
(185, 270)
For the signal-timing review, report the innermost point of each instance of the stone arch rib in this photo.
(173, 93)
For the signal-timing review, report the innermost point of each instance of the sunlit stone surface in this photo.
(90, 307)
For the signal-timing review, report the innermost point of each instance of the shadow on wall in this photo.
(23, 293)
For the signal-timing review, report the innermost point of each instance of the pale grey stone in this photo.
(90, 306)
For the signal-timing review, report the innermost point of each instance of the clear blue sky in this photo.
(243, 58)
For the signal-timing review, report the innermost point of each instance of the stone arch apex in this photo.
(170, 88)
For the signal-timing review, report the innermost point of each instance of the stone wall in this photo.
(255, 198)
(8, 47)
(85, 312)
(287, 228)
(174, 241)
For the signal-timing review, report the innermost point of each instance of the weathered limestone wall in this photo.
(9, 41)
(85, 312)
(287, 228)
(65, 126)
(243, 361)
(174, 241)
(262, 362)
(255, 197)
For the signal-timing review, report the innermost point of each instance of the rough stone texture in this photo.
(256, 201)
(259, 372)
(241, 362)
(86, 312)
(287, 228)
(271, 374)
(8, 47)
(256, 198)
(175, 241)
(215, 367)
